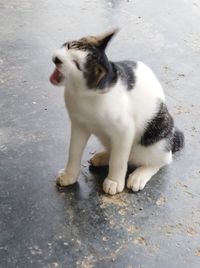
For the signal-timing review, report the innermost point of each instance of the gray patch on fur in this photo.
(125, 71)
(159, 127)
(162, 127)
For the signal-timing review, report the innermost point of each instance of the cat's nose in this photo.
(56, 60)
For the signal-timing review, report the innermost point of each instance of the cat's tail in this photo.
(178, 141)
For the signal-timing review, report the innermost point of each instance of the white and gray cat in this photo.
(121, 103)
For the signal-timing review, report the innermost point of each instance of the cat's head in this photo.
(83, 62)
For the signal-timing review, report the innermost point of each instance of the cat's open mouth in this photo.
(56, 77)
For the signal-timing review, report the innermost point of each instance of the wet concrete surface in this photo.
(42, 226)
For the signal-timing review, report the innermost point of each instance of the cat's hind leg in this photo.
(138, 179)
(100, 159)
(148, 160)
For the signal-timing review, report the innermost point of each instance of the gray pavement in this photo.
(42, 226)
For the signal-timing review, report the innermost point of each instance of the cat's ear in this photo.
(100, 72)
(95, 76)
(103, 40)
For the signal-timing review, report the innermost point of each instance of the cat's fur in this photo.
(123, 104)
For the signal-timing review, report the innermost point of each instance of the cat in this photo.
(123, 105)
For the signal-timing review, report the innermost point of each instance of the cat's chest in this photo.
(85, 110)
(95, 113)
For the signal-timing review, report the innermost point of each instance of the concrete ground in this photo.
(42, 226)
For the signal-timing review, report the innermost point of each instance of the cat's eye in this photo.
(68, 45)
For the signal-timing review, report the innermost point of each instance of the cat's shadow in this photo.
(102, 172)
(83, 188)
(98, 174)
(155, 187)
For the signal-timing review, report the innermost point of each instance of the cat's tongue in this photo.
(56, 77)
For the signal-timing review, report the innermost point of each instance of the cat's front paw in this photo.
(112, 187)
(100, 159)
(65, 178)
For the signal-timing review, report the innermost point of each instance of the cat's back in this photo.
(139, 79)
(147, 81)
